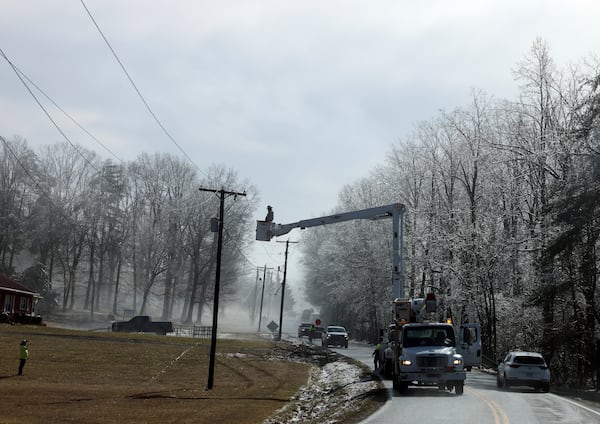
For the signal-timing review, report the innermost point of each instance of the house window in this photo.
(9, 303)
(24, 306)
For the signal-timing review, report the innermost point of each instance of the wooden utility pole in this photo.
(262, 296)
(213, 343)
(287, 244)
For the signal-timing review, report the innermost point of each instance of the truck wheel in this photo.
(545, 387)
(459, 388)
(403, 386)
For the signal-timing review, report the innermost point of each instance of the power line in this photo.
(68, 115)
(14, 68)
(137, 90)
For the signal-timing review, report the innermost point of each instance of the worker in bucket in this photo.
(270, 214)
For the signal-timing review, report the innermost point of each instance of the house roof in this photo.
(8, 284)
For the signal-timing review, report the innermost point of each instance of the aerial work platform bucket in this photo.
(263, 230)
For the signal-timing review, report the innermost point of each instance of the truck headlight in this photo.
(457, 361)
(406, 362)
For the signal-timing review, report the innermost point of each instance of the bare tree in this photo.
(67, 172)
(18, 170)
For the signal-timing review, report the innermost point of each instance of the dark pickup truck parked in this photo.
(143, 324)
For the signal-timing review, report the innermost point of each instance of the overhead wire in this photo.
(14, 68)
(137, 90)
(67, 114)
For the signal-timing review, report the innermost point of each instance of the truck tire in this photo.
(403, 387)
(459, 388)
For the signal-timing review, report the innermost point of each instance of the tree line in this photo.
(502, 222)
(106, 237)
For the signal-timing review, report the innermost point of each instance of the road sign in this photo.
(318, 321)
(272, 326)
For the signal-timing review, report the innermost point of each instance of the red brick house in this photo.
(17, 302)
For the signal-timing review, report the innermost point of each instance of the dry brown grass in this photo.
(81, 376)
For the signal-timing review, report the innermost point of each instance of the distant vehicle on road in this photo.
(523, 369)
(303, 329)
(307, 329)
(335, 335)
(143, 324)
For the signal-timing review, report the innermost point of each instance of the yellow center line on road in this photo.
(499, 414)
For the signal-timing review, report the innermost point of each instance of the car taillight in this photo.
(514, 366)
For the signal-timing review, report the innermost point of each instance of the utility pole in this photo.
(213, 343)
(287, 244)
(253, 314)
(262, 296)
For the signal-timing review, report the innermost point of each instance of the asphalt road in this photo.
(481, 403)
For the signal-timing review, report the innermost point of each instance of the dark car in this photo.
(335, 335)
(303, 329)
(143, 324)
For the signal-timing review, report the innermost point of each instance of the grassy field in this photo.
(103, 377)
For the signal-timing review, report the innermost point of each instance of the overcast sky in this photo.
(299, 97)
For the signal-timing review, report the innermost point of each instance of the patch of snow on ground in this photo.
(332, 392)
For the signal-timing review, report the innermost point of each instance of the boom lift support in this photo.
(266, 230)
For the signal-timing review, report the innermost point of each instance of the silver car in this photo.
(335, 336)
(523, 369)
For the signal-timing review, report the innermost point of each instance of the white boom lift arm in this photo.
(266, 230)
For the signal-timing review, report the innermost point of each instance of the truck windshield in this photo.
(428, 336)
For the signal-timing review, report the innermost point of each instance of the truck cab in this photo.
(428, 356)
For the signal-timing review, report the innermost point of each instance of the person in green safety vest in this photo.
(23, 355)
(377, 356)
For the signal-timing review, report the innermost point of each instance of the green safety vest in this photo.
(24, 354)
